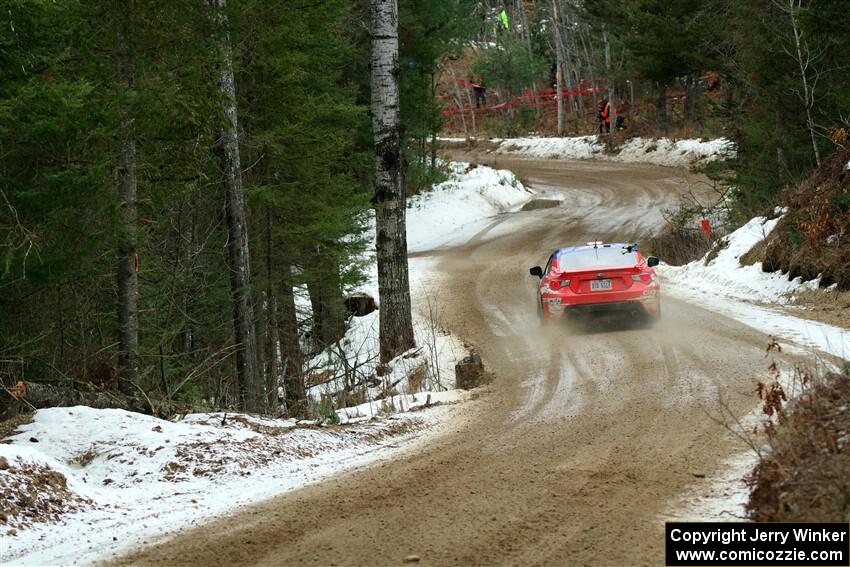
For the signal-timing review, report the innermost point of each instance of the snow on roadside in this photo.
(725, 275)
(582, 147)
(658, 151)
(757, 299)
(453, 210)
(749, 295)
(119, 479)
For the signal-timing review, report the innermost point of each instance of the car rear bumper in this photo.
(638, 305)
(635, 306)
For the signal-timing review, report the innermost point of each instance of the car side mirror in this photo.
(536, 271)
(652, 261)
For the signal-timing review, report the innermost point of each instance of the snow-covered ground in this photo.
(79, 484)
(752, 296)
(128, 478)
(658, 151)
(757, 299)
(457, 208)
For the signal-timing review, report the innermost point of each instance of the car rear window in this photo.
(597, 257)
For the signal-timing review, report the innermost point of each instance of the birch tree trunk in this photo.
(559, 75)
(803, 61)
(612, 113)
(459, 100)
(128, 281)
(572, 59)
(251, 393)
(396, 326)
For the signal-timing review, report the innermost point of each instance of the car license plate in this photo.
(600, 285)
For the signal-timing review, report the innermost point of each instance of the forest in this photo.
(188, 189)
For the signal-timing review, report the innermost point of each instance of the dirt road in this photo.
(582, 441)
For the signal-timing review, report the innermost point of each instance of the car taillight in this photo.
(645, 278)
(558, 284)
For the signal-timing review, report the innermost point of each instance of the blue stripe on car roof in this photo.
(570, 249)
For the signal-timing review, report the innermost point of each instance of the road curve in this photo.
(575, 450)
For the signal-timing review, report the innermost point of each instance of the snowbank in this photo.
(109, 480)
(583, 147)
(354, 359)
(755, 298)
(454, 210)
(726, 276)
(660, 151)
(749, 295)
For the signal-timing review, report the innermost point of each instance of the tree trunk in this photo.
(251, 393)
(396, 325)
(612, 112)
(661, 103)
(432, 166)
(573, 61)
(559, 75)
(128, 281)
(293, 378)
(511, 115)
(459, 99)
(589, 69)
(803, 62)
(272, 334)
(327, 305)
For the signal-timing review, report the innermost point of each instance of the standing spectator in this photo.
(480, 92)
(622, 111)
(604, 116)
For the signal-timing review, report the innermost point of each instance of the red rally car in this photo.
(598, 278)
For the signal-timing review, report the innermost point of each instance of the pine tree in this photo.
(128, 281)
(251, 388)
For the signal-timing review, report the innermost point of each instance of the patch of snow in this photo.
(749, 295)
(146, 477)
(719, 498)
(724, 275)
(355, 357)
(582, 147)
(454, 210)
(676, 153)
(660, 151)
